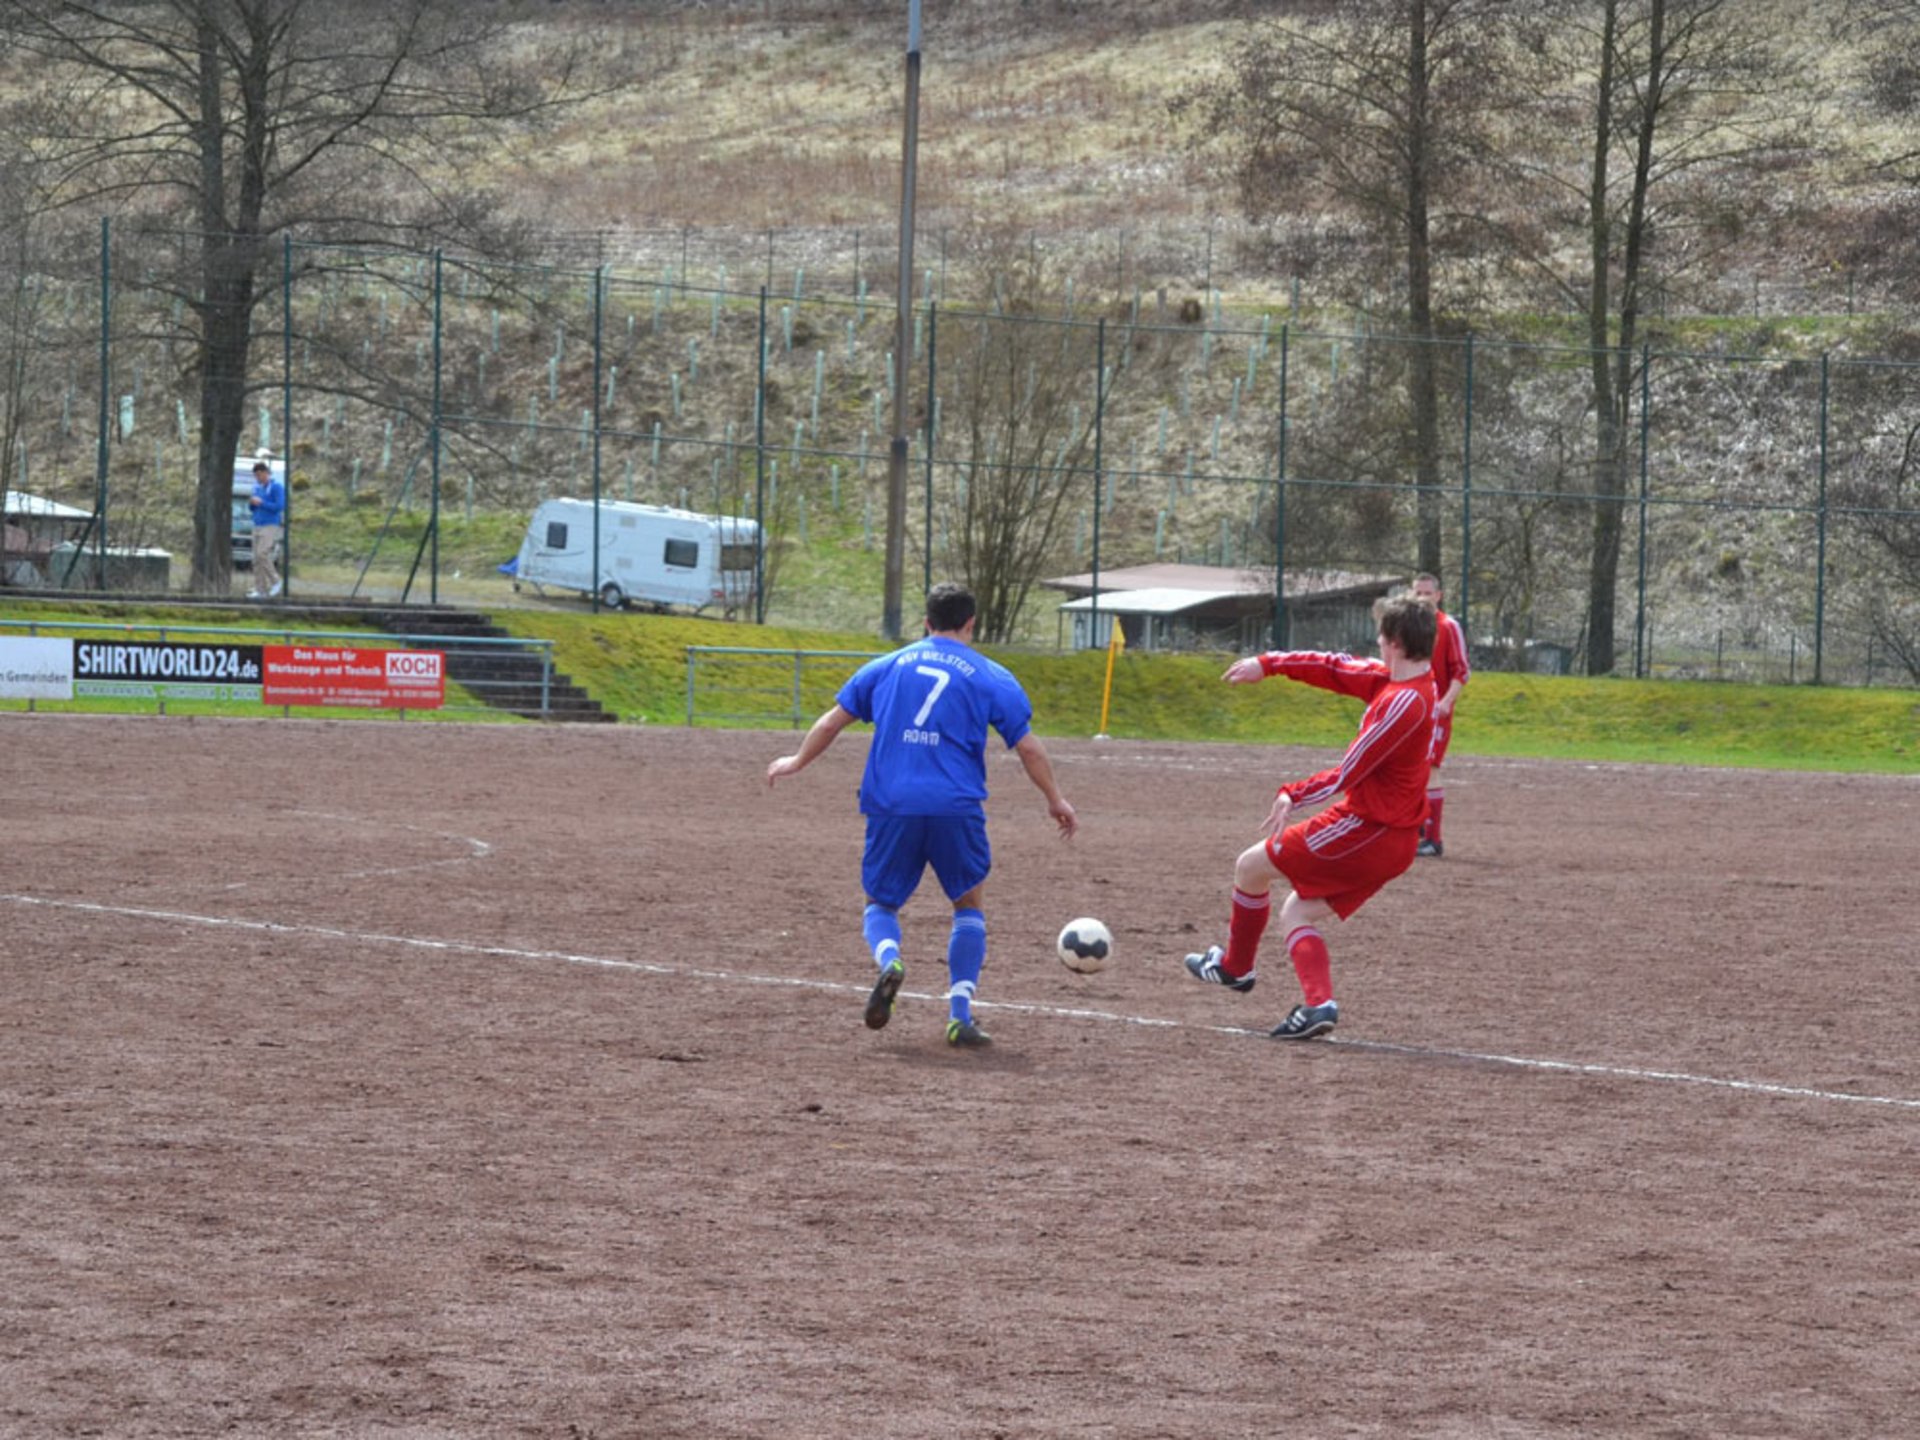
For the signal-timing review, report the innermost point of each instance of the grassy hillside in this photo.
(638, 665)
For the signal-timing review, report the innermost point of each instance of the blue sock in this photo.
(881, 926)
(966, 956)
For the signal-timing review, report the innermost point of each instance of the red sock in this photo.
(1435, 800)
(1312, 964)
(1244, 930)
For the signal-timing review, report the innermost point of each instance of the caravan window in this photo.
(684, 553)
(556, 535)
(736, 557)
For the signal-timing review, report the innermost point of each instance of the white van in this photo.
(649, 555)
(243, 506)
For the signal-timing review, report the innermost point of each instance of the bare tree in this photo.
(22, 300)
(1686, 103)
(1020, 410)
(232, 121)
(1379, 112)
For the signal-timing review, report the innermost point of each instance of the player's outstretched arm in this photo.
(817, 740)
(1039, 768)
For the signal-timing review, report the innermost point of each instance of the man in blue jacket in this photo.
(269, 506)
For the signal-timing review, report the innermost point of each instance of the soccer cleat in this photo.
(1429, 848)
(1304, 1022)
(1207, 967)
(967, 1034)
(880, 1002)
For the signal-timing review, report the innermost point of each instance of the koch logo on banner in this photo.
(416, 667)
(36, 669)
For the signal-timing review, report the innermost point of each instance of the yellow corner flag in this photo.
(1116, 642)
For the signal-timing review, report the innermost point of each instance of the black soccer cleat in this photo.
(1305, 1022)
(1430, 848)
(966, 1035)
(880, 1002)
(1206, 967)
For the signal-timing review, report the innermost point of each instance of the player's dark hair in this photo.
(1410, 625)
(949, 607)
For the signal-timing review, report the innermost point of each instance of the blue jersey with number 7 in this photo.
(931, 705)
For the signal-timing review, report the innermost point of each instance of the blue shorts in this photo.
(900, 847)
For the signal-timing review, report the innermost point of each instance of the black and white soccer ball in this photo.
(1084, 945)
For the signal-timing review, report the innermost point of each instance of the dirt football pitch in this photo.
(436, 1080)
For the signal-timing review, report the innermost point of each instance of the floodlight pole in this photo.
(902, 343)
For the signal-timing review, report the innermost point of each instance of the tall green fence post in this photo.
(599, 318)
(1466, 484)
(1820, 567)
(760, 461)
(1641, 660)
(1099, 425)
(106, 383)
(433, 505)
(286, 409)
(933, 408)
(1279, 496)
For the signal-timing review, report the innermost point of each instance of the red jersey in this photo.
(1384, 772)
(1449, 653)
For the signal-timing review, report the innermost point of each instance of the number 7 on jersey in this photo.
(940, 679)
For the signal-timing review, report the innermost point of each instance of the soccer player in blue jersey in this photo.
(931, 704)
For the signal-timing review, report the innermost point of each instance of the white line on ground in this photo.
(734, 977)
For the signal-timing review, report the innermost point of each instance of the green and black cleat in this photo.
(880, 1002)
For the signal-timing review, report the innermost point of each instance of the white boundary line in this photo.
(468, 947)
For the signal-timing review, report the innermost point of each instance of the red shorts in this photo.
(1442, 733)
(1340, 858)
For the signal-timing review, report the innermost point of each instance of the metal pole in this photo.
(1099, 425)
(1466, 490)
(433, 520)
(106, 383)
(599, 319)
(760, 473)
(1641, 644)
(286, 412)
(1820, 568)
(1280, 505)
(933, 316)
(903, 343)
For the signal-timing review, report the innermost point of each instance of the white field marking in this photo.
(734, 977)
(477, 849)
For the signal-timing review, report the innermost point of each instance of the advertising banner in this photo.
(338, 675)
(36, 669)
(165, 670)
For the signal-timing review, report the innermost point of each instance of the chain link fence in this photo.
(1766, 521)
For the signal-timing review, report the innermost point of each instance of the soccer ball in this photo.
(1085, 945)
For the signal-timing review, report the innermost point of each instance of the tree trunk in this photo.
(229, 255)
(225, 335)
(1604, 558)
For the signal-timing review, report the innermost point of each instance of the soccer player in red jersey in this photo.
(1339, 858)
(1450, 675)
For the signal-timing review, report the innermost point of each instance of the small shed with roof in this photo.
(1212, 607)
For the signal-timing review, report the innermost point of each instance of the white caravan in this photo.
(649, 555)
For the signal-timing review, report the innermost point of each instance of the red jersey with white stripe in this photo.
(1384, 772)
(1449, 653)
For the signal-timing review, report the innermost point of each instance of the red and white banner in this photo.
(370, 679)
